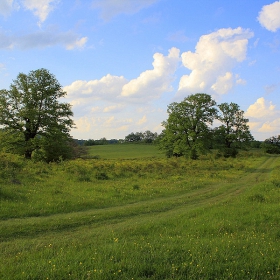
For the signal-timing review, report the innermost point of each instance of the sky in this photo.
(122, 62)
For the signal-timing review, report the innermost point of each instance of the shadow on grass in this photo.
(8, 195)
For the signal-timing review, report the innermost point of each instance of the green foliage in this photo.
(10, 166)
(144, 137)
(234, 130)
(186, 131)
(30, 110)
(271, 145)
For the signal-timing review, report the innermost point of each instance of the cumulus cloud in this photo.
(111, 8)
(261, 108)
(6, 7)
(41, 8)
(264, 118)
(42, 39)
(223, 83)
(269, 16)
(111, 99)
(211, 65)
(152, 83)
(107, 88)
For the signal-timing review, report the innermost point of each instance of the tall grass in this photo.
(142, 219)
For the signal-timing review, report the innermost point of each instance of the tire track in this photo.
(213, 194)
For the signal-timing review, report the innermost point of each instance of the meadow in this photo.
(127, 212)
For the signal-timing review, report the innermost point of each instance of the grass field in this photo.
(132, 214)
(125, 151)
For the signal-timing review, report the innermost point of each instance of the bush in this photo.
(230, 152)
(272, 145)
(101, 176)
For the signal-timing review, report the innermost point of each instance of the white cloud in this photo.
(42, 39)
(113, 108)
(78, 44)
(260, 109)
(111, 99)
(152, 83)
(264, 118)
(111, 8)
(142, 120)
(107, 88)
(211, 65)
(269, 16)
(240, 81)
(6, 7)
(41, 8)
(223, 83)
(84, 124)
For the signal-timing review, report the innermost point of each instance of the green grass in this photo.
(125, 151)
(144, 218)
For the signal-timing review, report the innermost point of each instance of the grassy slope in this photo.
(158, 219)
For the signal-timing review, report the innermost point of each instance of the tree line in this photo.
(35, 123)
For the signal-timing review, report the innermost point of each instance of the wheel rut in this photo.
(213, 194)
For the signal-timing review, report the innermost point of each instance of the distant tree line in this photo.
(101, 141)
(141, 137)
(147, 137)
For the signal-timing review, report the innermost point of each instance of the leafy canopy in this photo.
(30, 111)
(234, 129)
(189, 132)
(187, 126)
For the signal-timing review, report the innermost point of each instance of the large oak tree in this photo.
(187, 129)
(31, 112)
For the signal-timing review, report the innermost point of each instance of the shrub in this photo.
(101, 176)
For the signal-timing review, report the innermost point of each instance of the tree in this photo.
(187, 127)
(149, 137)
(234, 130)
(145, 137)
(271, 145)
(31, 112)
(134, 137)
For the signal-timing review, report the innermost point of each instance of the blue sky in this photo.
(122, 62)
